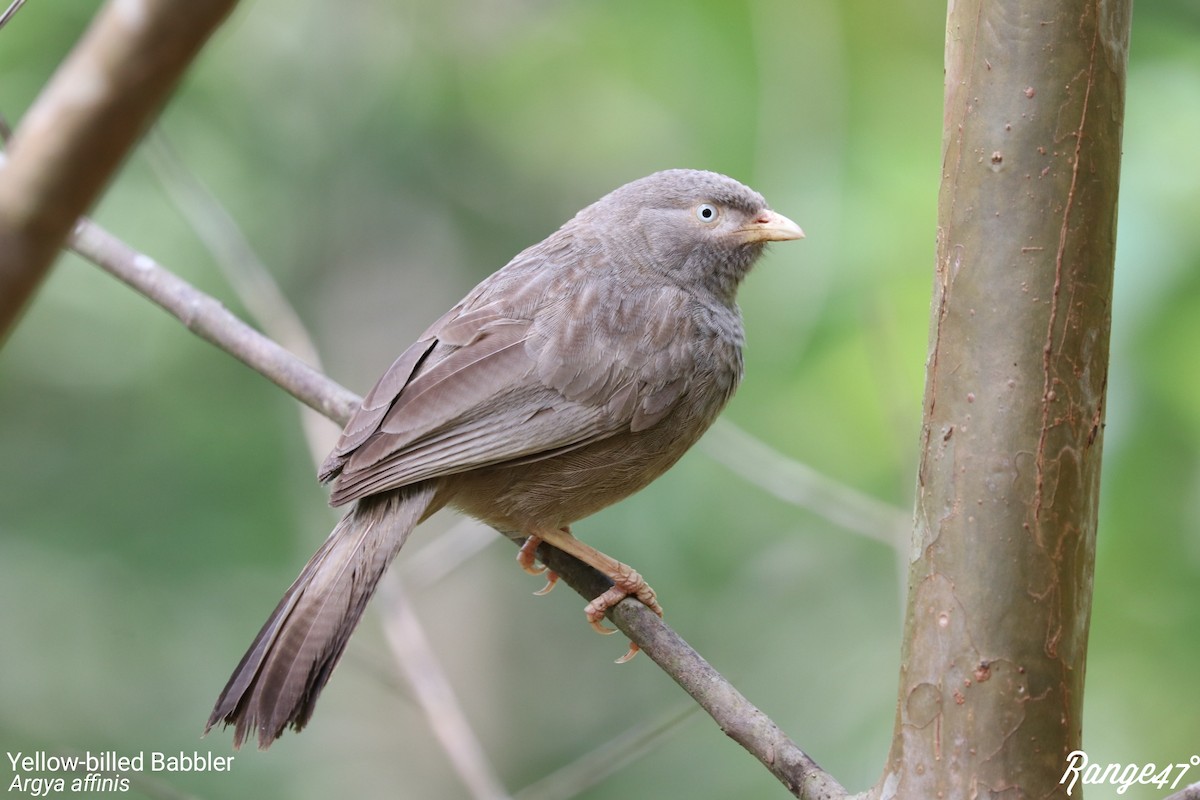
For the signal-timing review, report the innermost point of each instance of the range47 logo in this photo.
(1080, 770)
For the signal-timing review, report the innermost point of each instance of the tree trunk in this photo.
(1000, 582)
(83, 124)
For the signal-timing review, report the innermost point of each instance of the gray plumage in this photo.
(562, 383)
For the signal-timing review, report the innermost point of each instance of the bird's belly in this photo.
(559, 490)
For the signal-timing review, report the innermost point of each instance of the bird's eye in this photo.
(706, 212)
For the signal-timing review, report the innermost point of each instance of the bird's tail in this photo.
(278, 679)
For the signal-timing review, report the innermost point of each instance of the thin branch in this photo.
(247, 275)
(206, 317)
(801, 485)
(83, 124)
(9, 12)
(596, 765)
(211, 321)
(446, 551)
(414, 654)
(738, 717)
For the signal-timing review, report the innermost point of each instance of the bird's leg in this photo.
(626, 581)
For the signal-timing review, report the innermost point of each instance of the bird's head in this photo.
(698, 228)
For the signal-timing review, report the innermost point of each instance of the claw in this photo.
(633, 651)
(526, 557)
(600, 628)
(594, 611)
(551, 582)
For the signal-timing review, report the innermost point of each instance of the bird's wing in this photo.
(521, 372)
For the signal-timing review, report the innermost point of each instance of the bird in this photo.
(564, 382)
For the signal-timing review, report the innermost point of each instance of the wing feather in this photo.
(520, 370)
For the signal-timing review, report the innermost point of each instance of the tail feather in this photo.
(277, 682)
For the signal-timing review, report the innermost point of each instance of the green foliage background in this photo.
(382, 157)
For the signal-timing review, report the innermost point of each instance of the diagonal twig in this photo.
(797, 483)
(446, 551)
(247, 275)
(590, 769)
(212, 322)
(738, 718)
(414, 654)
(11, 11)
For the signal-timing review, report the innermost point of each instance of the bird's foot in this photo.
(527, 556)
(626, 581)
